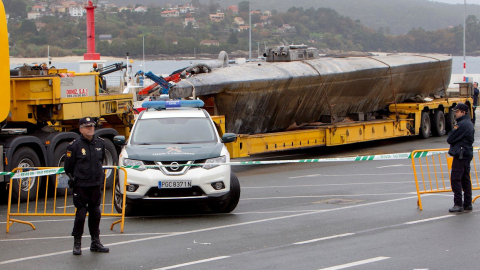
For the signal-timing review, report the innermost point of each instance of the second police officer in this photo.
(461, 140)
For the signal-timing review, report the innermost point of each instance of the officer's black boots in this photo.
(77, 245)
(96, 246)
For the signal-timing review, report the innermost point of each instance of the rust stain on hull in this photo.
(268, 97)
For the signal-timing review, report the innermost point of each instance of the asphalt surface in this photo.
(344, 215)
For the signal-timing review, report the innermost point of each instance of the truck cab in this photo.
(174, 153)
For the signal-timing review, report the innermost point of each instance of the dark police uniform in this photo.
(476, 92)
(461, 140)
(84, 161)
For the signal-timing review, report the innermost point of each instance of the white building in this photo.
(76, 11)
(140, 9)
(33, 15)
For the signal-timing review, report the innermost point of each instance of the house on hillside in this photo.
(217, 17)
(58, 8)
(33, 15)
(76, 11)
(239, 21)
(140, 9)
(233, 9)
(264, 18)
(38, 8)
(170, 13)
(243, 27)
(187, 8)
(208, 42)
(40, 25)
(120, 9)
(192, 21)
(267, 13)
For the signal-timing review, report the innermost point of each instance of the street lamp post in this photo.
(250, 32)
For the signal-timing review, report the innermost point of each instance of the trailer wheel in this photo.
(231, 203)
(449, 121)
(438, 123)
(111, 159)
(59, 161)
(25, 157)
(425, 125)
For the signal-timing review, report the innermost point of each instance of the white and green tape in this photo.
(36, 173)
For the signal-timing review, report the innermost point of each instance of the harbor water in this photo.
(166, 67)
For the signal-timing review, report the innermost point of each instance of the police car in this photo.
(175, 153)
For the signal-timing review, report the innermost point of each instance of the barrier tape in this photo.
(320, 160)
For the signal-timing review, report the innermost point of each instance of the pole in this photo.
(250, 32)
(144, 68)
(91, 54)
(464, 30)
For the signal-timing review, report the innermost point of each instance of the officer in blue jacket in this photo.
(461, 148)
(83, 164)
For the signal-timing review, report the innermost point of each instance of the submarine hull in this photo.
(272, 96)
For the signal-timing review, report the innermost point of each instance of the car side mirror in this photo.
(119, 140)
(229, 137)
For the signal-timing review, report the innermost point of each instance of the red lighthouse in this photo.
(91, 55)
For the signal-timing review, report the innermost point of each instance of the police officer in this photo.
(475, 100)
(461, 148)
(83, 164)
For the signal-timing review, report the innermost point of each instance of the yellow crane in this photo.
(39, 113)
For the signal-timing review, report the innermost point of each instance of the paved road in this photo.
(353, 215)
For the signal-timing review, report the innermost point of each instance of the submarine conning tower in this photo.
(291, 53)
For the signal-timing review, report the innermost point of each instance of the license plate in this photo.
(175, 184)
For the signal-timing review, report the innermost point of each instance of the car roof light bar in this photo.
(163, 104)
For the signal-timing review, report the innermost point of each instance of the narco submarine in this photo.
(296, 86)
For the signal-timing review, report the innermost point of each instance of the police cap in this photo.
(86, 122)
(461, 107)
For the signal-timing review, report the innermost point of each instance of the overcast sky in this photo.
(458, 1)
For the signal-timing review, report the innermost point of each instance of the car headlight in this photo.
(210, 163)
(133, 162)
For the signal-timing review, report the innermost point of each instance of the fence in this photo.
(433, 170)
(46, 204)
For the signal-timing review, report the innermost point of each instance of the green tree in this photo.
(28, 27)
(16, 8)
(244, 6)
(233, 38)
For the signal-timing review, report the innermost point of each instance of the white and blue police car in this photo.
(175, 154)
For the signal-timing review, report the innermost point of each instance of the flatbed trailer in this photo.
(404, 119)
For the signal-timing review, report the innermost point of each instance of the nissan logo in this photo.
(174, 168)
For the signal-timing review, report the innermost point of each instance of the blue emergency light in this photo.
(163, 104)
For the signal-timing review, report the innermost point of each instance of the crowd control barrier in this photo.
(432, 171)
(59, 203)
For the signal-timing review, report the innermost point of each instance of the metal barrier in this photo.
(46, 204)
(438, 165)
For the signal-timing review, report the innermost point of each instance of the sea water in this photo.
(166, 67)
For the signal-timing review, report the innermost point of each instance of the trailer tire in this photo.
(111, 159)
(230, 204)
(25, 157)
(449, 121)
(59, 161)
(425, 125)
(438, 123)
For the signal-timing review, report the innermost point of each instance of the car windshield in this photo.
(173, 131)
